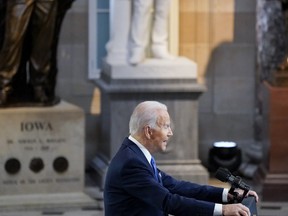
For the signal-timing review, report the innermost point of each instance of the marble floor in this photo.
(93, 207)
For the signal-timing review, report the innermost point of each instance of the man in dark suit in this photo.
(134, 187)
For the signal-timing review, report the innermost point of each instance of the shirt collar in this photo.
(142, 148)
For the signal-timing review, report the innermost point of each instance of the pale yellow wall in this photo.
(174, 28)
(204, 24)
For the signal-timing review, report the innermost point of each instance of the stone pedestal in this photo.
(42, 156)
(275, 186)
(170, 82)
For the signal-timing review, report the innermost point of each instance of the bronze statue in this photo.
(29, 33)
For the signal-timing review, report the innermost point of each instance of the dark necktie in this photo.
(153, 164)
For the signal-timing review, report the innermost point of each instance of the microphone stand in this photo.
(236, 183)
(236, 196)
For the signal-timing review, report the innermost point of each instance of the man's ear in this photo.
(148, 131)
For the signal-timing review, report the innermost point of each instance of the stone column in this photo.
(120, 15)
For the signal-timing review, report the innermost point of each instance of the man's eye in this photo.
(166, 126)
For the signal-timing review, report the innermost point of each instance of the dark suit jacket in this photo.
(131, 189)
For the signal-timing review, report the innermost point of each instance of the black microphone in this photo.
(224, 175)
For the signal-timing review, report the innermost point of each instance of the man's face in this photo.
(161, 134)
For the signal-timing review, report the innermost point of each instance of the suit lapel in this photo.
(137, 150)
(140, 155)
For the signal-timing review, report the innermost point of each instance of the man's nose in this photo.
(170, 132)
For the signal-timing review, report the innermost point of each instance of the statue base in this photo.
(275, 186)
(42, 156)
(188, 171)
(170, 82)
(47, 201)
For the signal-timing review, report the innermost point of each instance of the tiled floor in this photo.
(92, 208)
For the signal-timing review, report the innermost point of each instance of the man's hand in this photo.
(253, 193)
(235, 210)
(240, 192)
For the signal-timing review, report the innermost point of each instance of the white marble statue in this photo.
(131, 33)
(120, 16)
(142, 31)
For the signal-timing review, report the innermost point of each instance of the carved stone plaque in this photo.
(41, 150)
